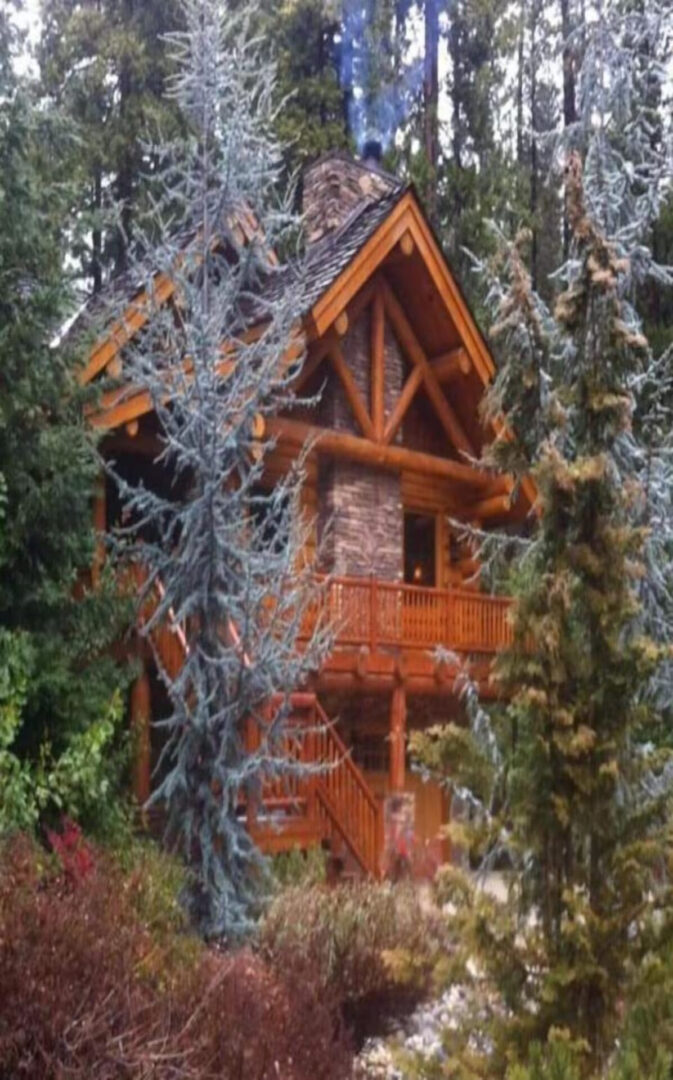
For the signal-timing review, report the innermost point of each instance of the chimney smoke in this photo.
(372, 152)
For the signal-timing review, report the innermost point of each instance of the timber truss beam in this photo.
(342, 444)
(430, 373)
(416, 354)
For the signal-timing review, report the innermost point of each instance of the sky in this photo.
(29, 21)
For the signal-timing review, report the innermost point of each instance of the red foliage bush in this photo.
(89, 990)
(74, 854)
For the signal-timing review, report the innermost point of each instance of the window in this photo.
(420, 549)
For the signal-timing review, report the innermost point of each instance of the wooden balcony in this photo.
(384, 615)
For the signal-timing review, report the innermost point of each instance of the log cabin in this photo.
(403, 366)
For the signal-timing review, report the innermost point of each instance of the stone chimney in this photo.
(336, 184)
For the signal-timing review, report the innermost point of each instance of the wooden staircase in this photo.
(328, 801)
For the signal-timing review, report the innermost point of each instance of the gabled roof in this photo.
(327, 259)
(336, 270)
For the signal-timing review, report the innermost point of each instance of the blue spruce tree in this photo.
(227, 552)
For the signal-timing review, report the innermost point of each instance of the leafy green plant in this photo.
(81, 779)
(296, 867)
(18, 806)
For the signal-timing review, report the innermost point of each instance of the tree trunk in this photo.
(96, 232)
(126, 167)
(521, 60)
(534, 12)
(347, 82)
(569, 103)
(569, 106)
(431, 101)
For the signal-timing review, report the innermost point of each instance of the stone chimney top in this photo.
(336, 184)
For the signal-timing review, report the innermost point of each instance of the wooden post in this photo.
(252, 802)
(440, 550)
(141, 718)
(373, 613)
(398, 725)
(310, 755)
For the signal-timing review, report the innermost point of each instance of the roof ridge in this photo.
(351, 159)
(358, 211)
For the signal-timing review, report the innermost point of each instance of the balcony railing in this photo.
(376, 613)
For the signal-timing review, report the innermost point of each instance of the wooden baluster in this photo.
(373, 613)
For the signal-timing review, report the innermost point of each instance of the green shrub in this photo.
(561, 1059)
(558, 1059)
(81, 777)
(297, 867)
(370, 949)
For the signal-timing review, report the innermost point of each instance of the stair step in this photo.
(301, 833)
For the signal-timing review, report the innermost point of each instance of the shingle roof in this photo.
(326, 260)
(323, 263)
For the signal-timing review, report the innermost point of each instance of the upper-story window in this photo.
(420, 549)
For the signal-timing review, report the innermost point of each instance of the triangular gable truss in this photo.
(384, 306)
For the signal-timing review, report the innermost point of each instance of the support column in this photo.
(141, 718)
(398, 731)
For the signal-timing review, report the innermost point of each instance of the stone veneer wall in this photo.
(362, 505)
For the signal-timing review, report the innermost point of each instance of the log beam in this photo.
(421, 685)
(114, 369)
(378, 364)
(451, 365)
(395, 458)
(352, 392)
(312, 362)
(403, 402)
(492, 507)
(414, 350)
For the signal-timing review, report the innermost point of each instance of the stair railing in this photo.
(338, 795)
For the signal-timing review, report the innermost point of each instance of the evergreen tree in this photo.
(479, 178)
(56, 684)
(305, 37)
(569, 782)
(227, 552)
(104, 63)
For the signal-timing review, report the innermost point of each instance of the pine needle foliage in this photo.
(579, 795)
(226, 550)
